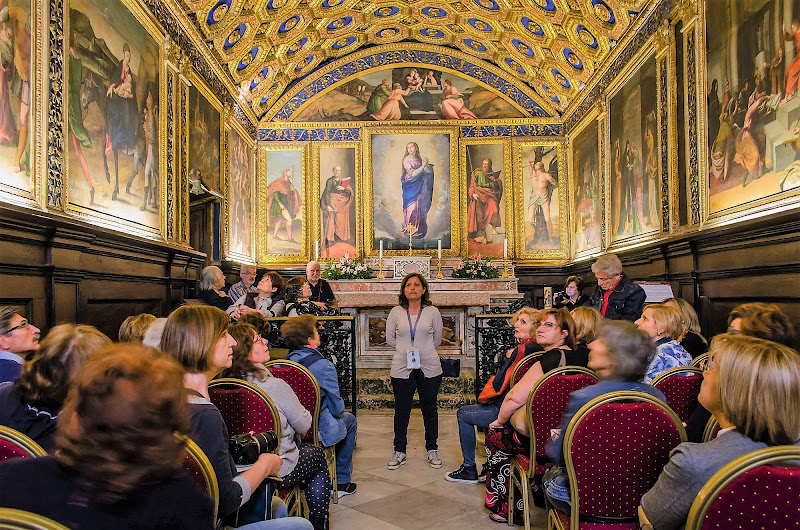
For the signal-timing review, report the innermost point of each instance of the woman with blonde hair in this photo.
(32, 402)
(587, 323)
(664, 325)
(752, 387)
(134, 327)
(691, 339)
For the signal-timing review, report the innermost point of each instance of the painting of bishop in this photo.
(284, 202)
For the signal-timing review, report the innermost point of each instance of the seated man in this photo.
(336, 427)
(247, 273)
(17, 337)
(321, 292)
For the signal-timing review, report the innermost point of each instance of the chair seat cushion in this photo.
(563, 519)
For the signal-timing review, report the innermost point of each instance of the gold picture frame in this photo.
(234, 214)
(586, 191)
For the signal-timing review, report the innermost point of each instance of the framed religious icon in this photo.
(540, 200)
(337, 191)
(586, 187)
(241, 212)
(204, 134)
(411, 190)
(114, 131)
(486, 196)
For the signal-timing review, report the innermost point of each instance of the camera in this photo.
(246, 448)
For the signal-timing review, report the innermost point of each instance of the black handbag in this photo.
(450, 367)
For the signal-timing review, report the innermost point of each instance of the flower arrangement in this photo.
(476, 267)
(347, 268)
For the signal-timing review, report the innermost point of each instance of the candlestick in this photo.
(380, 261)
(380, 250)
(505, 248)
(410, 229)
(440, 249)
(316, 249)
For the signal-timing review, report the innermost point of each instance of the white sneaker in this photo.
(433, 459)
(397, 460)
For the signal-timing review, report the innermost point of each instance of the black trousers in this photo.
(403, 389)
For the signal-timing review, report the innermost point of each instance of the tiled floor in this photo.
(414, 496)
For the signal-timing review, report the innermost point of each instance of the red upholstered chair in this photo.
(712, 429)
(758, 490)
(14, 444)
(13, 519)
(523, 366)
(547, 403)
(197, 464)
(700, 361)
(615, 447)
(680, 386)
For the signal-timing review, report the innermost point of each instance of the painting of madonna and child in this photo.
(753, 100)
(411, 185)
(408, 93)
(112, 112)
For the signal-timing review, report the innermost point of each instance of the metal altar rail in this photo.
(338, 345)
(493, 337)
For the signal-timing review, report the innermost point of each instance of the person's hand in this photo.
(320, 304)
(425, 161)
(268, 464)
(495, 425)
(243, 309)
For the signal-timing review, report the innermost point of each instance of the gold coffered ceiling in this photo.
(553, 46)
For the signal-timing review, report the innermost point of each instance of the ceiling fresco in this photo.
(552, 46)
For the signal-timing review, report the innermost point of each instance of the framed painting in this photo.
(540, 200)
(585, 182)
(486, 196)
(23, 120)
(751, 107)
(411, 190)
(282, 200)
(114, 129)
(632, 165)
(337, 191)
(241, 225)
(204, 134)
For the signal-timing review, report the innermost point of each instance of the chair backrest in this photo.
(14, 444)
(700, 360)
(199, 467)
(523, 366)
(759, 489)
(681, 387)
(548, 402)
(305, 386)
(244, 406)
(13, 519)
(621, 439)
(711, 430)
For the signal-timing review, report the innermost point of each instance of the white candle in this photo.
(440, 248)
(505, 248)
(316, 249)
(380, 251)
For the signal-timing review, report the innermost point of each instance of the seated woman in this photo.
(556, 334)
(211, 283)
(298, 300)
(663, 324)
(620, 356)
(752, 387)
(691, 339)
(31, 403)
(485, 411)
(118, 463)
(587, 323)
(268, 300)
(301, 464)
(134, 327)
(573, 296)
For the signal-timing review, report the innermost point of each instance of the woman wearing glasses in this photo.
(17, 337)
(616, 296)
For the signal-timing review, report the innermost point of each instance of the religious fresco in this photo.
(204, 134)
(541, 217)
(586, 182)
(241, 174)
(339, 197)
(283, 202)
(634, 176)
(113, 100)
(408, 93)
(752, 102)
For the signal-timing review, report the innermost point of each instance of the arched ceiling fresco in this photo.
(552, 46)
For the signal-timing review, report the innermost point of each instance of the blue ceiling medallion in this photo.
(532, 26)
(302, 65)
(491, 5)
(560, 78)
(218, 12)
(433, 12)
(234, 37)
(522, 47)
(547, 5)
(343, 43)
(387, 33)
(514, 65)
(480, 25)
(289, 24)
(586, 36)
(432, 33)
(603, 12)
(296, 46)
(339, 23)
(573, 60)
(475, 45)
(327, 4)
(386, 11)
(260, 76)
(247, 59)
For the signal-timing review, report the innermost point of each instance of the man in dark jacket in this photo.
(616, 296)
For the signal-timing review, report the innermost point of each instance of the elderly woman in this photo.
(268, 300)
(298, 299)
(556, 335)
(620, 356)
(485, 411)
(691, 339)
(765, 321)
(616, 296)
(572, 296)
(752, 387)
(118, 463)
(32, 402)
(663, 325)
(211, 283)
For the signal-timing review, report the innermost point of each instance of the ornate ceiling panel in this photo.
(553, 46)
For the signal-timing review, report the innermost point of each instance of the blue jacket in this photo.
(331, 424)
(625, 302)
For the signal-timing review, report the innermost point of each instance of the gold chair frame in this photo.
(677, 370)
(13, 519)
(519, 475)
(24, 442)
(700, 360)
(722, 478)
(202, 461)
(611, 397)
(708, 431)
(515, 371)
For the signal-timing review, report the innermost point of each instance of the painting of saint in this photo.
(337, 202)
(113, 101)
(204, 135)
(634, 156)
(240, 196)
(284, 202)
(486, 199)
(411, 190)
(540, 188)
(753, 76)
(586, 189)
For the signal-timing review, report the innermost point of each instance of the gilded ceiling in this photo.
(553, 46)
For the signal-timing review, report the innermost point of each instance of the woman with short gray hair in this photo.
(211, 283)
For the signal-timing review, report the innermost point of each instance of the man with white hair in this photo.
(321, 292)
(247, 273)
(17, 337)
(616, 296)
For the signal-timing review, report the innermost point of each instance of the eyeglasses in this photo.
(262, 340)
(22, 325)
(547, 325)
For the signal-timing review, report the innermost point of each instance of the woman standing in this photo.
(663, 324)
(268, 300)
(414, 329)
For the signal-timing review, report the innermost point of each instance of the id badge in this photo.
(412, 359)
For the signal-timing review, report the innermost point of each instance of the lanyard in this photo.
(413, 329)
